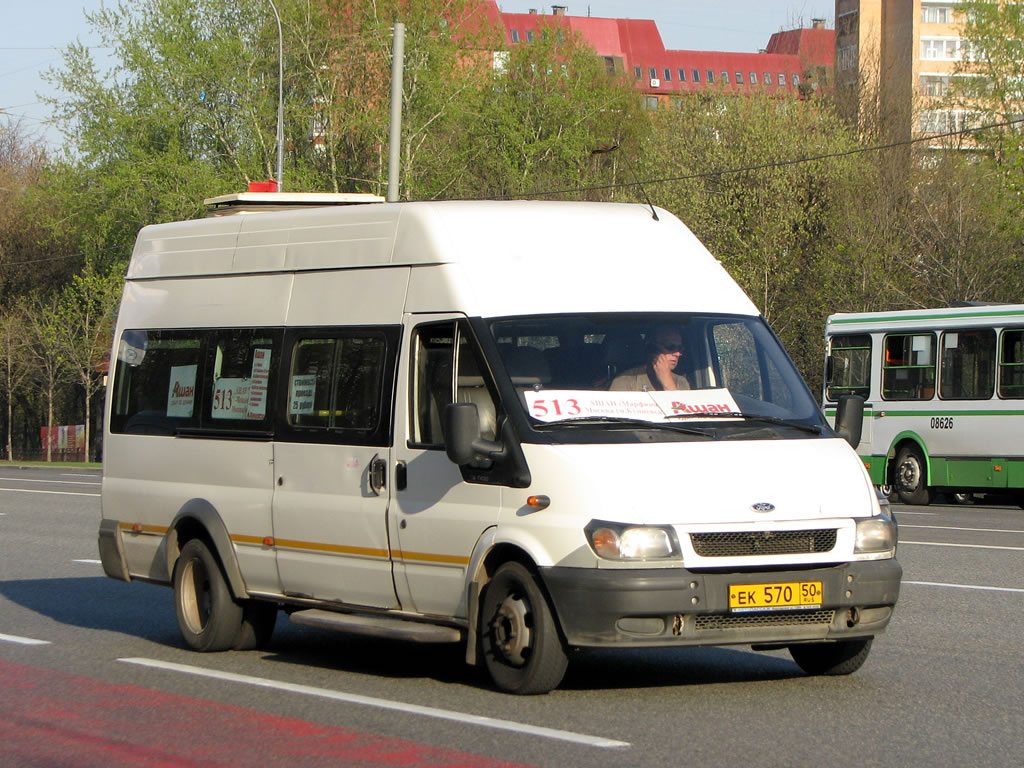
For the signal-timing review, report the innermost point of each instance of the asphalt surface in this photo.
(93, 672)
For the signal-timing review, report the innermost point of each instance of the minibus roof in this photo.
(493, 257)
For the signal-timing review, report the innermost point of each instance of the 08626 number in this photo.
(942, 422)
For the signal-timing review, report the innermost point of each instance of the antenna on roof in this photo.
(611, 148)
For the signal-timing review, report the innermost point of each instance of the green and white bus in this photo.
(944, 392)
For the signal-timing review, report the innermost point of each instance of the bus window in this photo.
(908, 370)
(968, 364)
(851, 366)
(336, 382)
(1011, 365)
(155, 382)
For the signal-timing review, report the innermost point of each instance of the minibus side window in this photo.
(968, 364)
(1011, 365)
(851, 366)
(908, 366)
(441, 350)
(155, 389)
(337, 382)
(241, 373)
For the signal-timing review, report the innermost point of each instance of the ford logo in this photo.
(763, 506)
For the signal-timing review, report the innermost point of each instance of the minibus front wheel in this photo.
(522, 649)
(208, 616)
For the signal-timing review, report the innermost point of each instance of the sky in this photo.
(32, 37)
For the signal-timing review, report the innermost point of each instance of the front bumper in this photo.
(676, 607)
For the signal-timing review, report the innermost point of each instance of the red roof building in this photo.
(798, 61)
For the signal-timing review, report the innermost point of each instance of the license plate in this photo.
(779, 597)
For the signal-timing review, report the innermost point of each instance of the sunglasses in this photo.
(670, 347)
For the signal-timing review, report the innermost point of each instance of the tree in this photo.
(15, 363)
(988, 81)
(82, 329)
(50, 367)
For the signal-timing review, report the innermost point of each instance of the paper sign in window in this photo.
(181, 392)
(302, 395)
(256, 407)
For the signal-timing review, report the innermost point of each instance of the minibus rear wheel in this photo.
(522, 649)
(840, 658)
(208, 617)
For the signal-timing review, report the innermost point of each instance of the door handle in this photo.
(378, 474)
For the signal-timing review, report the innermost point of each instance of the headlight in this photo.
(875, 534)
(616, 541)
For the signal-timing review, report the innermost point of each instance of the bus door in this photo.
(332, 487)
(437, 517)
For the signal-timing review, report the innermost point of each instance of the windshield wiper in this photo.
(586, 421)
(812, 428)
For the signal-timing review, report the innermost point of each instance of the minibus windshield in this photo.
(720, 372)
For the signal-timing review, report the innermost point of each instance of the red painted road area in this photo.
(49, 718)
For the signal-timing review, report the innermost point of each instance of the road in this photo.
(93, 672)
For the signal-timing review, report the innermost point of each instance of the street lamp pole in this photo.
(280, 100)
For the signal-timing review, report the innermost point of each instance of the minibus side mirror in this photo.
(850, 418)
(463, 444)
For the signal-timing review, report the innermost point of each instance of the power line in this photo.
(758, 167)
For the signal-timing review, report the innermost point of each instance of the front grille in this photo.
(745, 620)
(763, 542)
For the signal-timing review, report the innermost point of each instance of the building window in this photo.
(767, 78)
(941, 14)
(782, 80)
(753, 78)
(515, 35)
(638, 72)
(696, 75)
(934, 85)
(682, 75)
(796, 79)
(677, 103)
(668, 75)
(725, 77)
(609, 64)
(739, 78)
(945, 121)
(651, 102)
(711, 76)
(846, 58)
(653, 72)
(943, 49)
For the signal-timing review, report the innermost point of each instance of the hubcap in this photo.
(195, 596)
(910, 474)
(511, 630)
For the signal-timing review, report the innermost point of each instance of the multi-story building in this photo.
(794, 62)
(895, 60)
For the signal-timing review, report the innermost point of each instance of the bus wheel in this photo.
(963, 498)
(208, 617)
(521, 647)
(841, 658)
(910, 477)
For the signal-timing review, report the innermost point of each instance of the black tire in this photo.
(962, 498)
(840, 658)
(258, 620)
(208, 617)
(521, 646)
(911, 476)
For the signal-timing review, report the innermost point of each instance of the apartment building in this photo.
(895, 61)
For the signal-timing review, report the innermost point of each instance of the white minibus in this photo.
(945, 392)
(528, 427)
